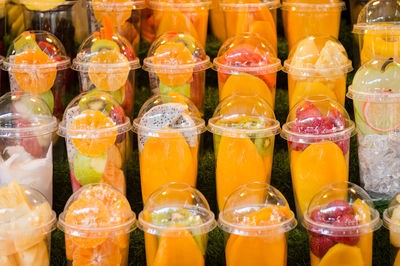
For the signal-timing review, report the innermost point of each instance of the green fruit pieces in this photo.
(263, 146)
(101, 44)
(89, 170)
(370, 79)
(182, 89)
(250, 123)
(25, 43)
(94, 100)
(48, 97)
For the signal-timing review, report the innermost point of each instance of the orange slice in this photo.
(115, 177)
(344, 255)
(363, 215)
(106, 254)
(118, 14)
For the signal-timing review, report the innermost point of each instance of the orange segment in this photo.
(69, 246)
(106, 254)
(363, 215)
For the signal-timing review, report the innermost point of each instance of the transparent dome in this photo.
(313, 5)
(236, 5)
(249, 53)
(36, 5)
(181, 5)
(339, 202)
(115, 7)
(391, 219)
(246, 114)
(318, 56)
(176, 204)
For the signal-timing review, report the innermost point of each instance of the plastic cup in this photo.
(378, 30)
(244, 129)
(168, 129)
(176, 62)
(97, 221)
(217, 21)
(302, 18)
(108, 63)
(247, 64)
(376, 98)
(27, 221)
(318, 131)
(317, 65)
(256, 219)
(96, 133)
(340, 221)
(176, 220)
(258, 17)
(391, 220)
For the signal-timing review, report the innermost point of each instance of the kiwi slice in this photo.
(24, 44)
(93, 102)
(183, 89)
(101, 44)
(263, 145)
(251, 123)
(48, 97)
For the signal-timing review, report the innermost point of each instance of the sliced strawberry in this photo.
(336, 209)
(349, 238)
(49, 49)
(320, 245)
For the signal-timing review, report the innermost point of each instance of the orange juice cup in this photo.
(176, 63)
(318, 131)
(247, 64)
(168, 129)
(378, 30)
(256, 16)
(317, 66)
(176, 220)
(391, 220)
(244, 128)
(256, 219)
(181, 16)
(96, 130)
(302, 18)
(106, 62)
(340, 221)
(97, 221)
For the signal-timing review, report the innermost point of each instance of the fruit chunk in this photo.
(107, 254)
(105, 44)
(8, 260)
(343, 255)
(310, 88)
(88, 170)
(397, 259)
(182, 89)
(116, 11)
(363, 215)
(34, 256)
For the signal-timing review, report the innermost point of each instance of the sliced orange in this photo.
(115, 177)
(114, 157)
(106, 254)
(69, 246)
(118, 15)
(93, 120)
(38, 80)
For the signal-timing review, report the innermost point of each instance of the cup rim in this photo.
(274, 67)
(375, 97)
(272, 130)
(49, 3)
(164, 6)
(236, 7)
(363, 27)
(149, 66)
(316, 71)
(80, 66)
(311, 7)
(110, 7)
(7, 65)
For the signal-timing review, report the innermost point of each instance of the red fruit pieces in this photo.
(128, 52)
(336, 209)
(75, 184)
(127, 102)
(349, 237)
(336, 118)
(117, 114)
(320, 245)
(49, 49)
(30, 143)
(307, 111)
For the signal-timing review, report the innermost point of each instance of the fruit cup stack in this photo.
(244, 129)
(391, 220)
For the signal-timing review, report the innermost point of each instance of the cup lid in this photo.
(248, 5)
(47, 5)
(341, 209)
(176, 207)
(247, 53)
(256, 209)
(313, 5)
(117, 6)
(391, 216)
(180, 5)
(318, 56)
(243, 115)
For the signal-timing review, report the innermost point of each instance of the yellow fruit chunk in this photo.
(314, 259)
(363, 215)
(151, 246)
(34, 256)
(266, 29)
(342, 255)
(174, 20)
(217, 23)
(8, 261)
(310, 88)
(43, 5)
(118, 14)
(397, 259)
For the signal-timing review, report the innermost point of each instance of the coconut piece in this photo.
(186, 121)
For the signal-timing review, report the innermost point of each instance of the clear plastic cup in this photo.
(302, 18)
(27, 221)
(244, 129)
(256, 16)
(318, 131)
(378, 30)
(376, 98)
(107, 62)
(168, 129)
(391, 220)
(217, 21)
(317, 65)
(256, 219)
(176, 62)
(176, 220)
(181, 16)
(340, 221)
(97, 221)
(247, 63)
(147, 27)
(96, 132)
(26, 132)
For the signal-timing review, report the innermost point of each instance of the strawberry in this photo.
(320, 245)
(336, 209)
(352, 237)
(307, 111)
(340, 123)
(117, 114)
(49, 49)
(319, 217)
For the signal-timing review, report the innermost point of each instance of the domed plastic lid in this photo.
(249, 53)
(175, 52)
(181, 5)
(176, 207)
(25, 115)
(25, 215)
(313, 5)
(47, 5)
(342, 209)
(34, 51)
(244, 115)
(317, 118)
(318, 56)
(94, 115)
(236, 5)
(97, 211)
(391, 217)
(256, 209)
(378, 15)
(117, 6)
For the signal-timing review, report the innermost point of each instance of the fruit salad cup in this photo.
(317, 65)
(96, 131)
(181, 16)
(176, 62)
(256, 16)
(27, 221)
(378, 30)
(244, 129)
(340, 221)
(97, 221)
(176, 220)
(37, 63)
(391, 220)
(302, 18)
(247, 64)
(168, 129)
(256, 219)
(26, 136)
(318, 131)
(106, 62)
(217, 21)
